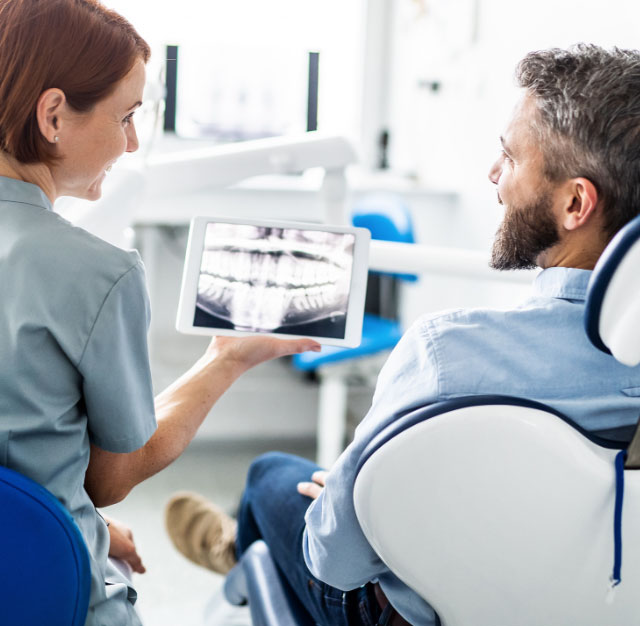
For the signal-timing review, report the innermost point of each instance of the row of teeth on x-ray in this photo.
(258, 288)
(283, 269)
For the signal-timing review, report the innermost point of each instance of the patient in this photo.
(568, 177)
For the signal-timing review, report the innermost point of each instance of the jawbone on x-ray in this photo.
(261, 278)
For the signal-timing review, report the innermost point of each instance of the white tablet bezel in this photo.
(193, 261)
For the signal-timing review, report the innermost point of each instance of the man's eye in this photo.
(506, 157)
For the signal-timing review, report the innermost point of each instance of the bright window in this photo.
(334, 28)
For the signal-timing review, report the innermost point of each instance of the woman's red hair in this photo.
(78, 46)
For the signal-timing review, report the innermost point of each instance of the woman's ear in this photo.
(49, 110)
(582, 201)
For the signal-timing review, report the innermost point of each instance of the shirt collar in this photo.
(567, 283)
(12, 190)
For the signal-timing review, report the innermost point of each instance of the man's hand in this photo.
(313, 489)
(122, 546)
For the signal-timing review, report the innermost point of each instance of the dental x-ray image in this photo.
(274, 280)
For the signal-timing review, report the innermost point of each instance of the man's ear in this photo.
(49, 108)
(581, 201)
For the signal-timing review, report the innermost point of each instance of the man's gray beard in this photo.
(524, 233)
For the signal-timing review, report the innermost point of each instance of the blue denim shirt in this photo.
(538, 351)
(74, 366)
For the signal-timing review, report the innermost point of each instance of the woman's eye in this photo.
(127, 120)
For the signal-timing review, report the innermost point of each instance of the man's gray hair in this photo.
(588, 102)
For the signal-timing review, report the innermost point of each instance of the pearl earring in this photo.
(56, 139)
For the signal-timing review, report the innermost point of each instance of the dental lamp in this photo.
(221, 166)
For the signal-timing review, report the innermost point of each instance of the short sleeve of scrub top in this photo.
(114, 366)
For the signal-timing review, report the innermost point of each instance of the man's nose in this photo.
(495, 171)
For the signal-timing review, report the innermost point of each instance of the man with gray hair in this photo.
(568, 177)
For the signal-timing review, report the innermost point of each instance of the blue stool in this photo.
(388, 219)
(45, 576)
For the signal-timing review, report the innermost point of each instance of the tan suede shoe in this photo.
(201, 531)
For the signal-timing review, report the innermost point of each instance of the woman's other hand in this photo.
(122, 546)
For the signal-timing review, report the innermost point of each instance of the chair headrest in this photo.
(612, 314)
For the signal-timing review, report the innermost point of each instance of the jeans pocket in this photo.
(326, 594)
(330, 604)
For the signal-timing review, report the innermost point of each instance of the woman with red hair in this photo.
(77, 414)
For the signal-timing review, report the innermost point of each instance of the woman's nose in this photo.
(132, 138)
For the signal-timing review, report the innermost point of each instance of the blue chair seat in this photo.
(45, 575)
(377, 334)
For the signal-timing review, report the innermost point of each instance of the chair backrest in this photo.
(505, 516)
(612, 315)
(612, 312)
(45, 575)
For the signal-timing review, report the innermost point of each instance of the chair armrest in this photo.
(256, 580)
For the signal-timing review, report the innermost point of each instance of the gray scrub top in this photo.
(74, 366)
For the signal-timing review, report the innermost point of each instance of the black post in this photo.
(312, 102)
(172, 86)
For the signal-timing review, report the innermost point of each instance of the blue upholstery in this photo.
(377, 334)
(388, 219)
(45, 575)
(602, 274)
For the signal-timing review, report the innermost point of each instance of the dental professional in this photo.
(77, 413)
(568, 178)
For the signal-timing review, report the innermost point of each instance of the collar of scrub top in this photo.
(12, 190)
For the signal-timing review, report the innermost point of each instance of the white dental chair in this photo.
(509, 514)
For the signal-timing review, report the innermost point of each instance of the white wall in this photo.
(449, 138)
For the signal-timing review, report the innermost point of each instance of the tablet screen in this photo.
(270, 279)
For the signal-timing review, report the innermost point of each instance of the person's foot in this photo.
(201, 531)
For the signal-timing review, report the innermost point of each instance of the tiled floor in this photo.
(174, 592)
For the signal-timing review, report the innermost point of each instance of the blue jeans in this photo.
(271, 509)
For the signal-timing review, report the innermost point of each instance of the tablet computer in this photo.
(287, 279)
